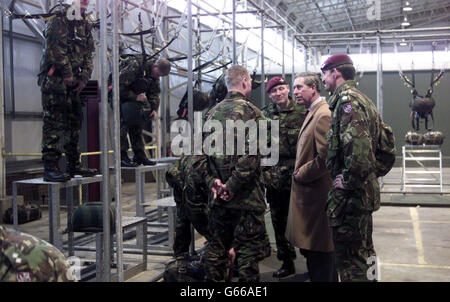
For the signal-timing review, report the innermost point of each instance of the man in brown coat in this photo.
(307, 226)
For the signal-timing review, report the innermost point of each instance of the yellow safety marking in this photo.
(417, 265)
(417, 235)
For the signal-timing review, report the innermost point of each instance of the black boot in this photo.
(287, 269)
(141, 159)
(125, 161)
(182, 263)
(77, 169)
(53, 174)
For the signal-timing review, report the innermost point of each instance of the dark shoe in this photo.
(53, 174)
(143, 160)
(56, 176)
(79, 170)
(127, 162)
(287, 269)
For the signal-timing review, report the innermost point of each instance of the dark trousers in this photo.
(279, 209)
(321, 266)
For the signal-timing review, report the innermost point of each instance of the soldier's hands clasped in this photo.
(337, 183)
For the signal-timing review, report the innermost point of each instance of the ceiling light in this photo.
(405, 22)
(407, 7)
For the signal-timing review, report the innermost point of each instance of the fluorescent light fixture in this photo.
(405, 22)
(407, 7)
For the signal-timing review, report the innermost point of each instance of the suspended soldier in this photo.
(139, 98)
(66, 66)
(237, 207)
(25, 258)
(277, 179)
(353, 138)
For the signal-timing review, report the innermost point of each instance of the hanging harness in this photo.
(421, 106)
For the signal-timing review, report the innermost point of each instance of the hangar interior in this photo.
(385, 38)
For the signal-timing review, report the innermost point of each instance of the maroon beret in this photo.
(275, 81)
(335, 61)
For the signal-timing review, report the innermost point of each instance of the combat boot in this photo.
(287, 269)
(141, 159)
(125, 161)
(182, 263)
(77, 169)
(53, 174)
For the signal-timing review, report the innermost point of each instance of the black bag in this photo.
(88, 218)
(194, 272)
(422, 105)
(26, 213)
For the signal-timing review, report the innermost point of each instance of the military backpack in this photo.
(385, 152)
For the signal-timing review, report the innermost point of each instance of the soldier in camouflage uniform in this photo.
(139, 87)
(66, 67)
(277, 179)
(25, 258)
(355, 194)
(237, 206)
(185, 176)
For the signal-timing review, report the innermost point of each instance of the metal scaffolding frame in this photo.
(108, 33)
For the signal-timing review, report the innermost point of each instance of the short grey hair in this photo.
(310, 79)
(234, 76)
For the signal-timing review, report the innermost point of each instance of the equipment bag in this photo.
(385, 153)
(194, 272)
(26, 213)
(88, 218)
(413, 138)
(433, 138)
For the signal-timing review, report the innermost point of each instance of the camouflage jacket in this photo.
(352, 141)
(291, 120)
(185, 176)
(25, 258)
(130, 72)
(241, 173)
(68, 47)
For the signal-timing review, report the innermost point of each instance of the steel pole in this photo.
(234, 32)
(293, 65)
(283, 71)
(263, 91)
(373, 32)
(116, 147)
(164, 89)
(189, 74)
(379, 77)
(104, 143)
(2, 120)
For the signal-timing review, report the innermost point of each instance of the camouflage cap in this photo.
(336, 61)
(275, 81)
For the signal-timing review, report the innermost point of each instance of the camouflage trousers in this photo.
(353, 246)
(135, 133)
(187, 215)
(279, 209)
(61, 128)
(245, 231)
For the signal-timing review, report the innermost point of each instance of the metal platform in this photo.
(162, 231)
(426, 153)
(55, 234)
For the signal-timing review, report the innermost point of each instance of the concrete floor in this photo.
(412, 242)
